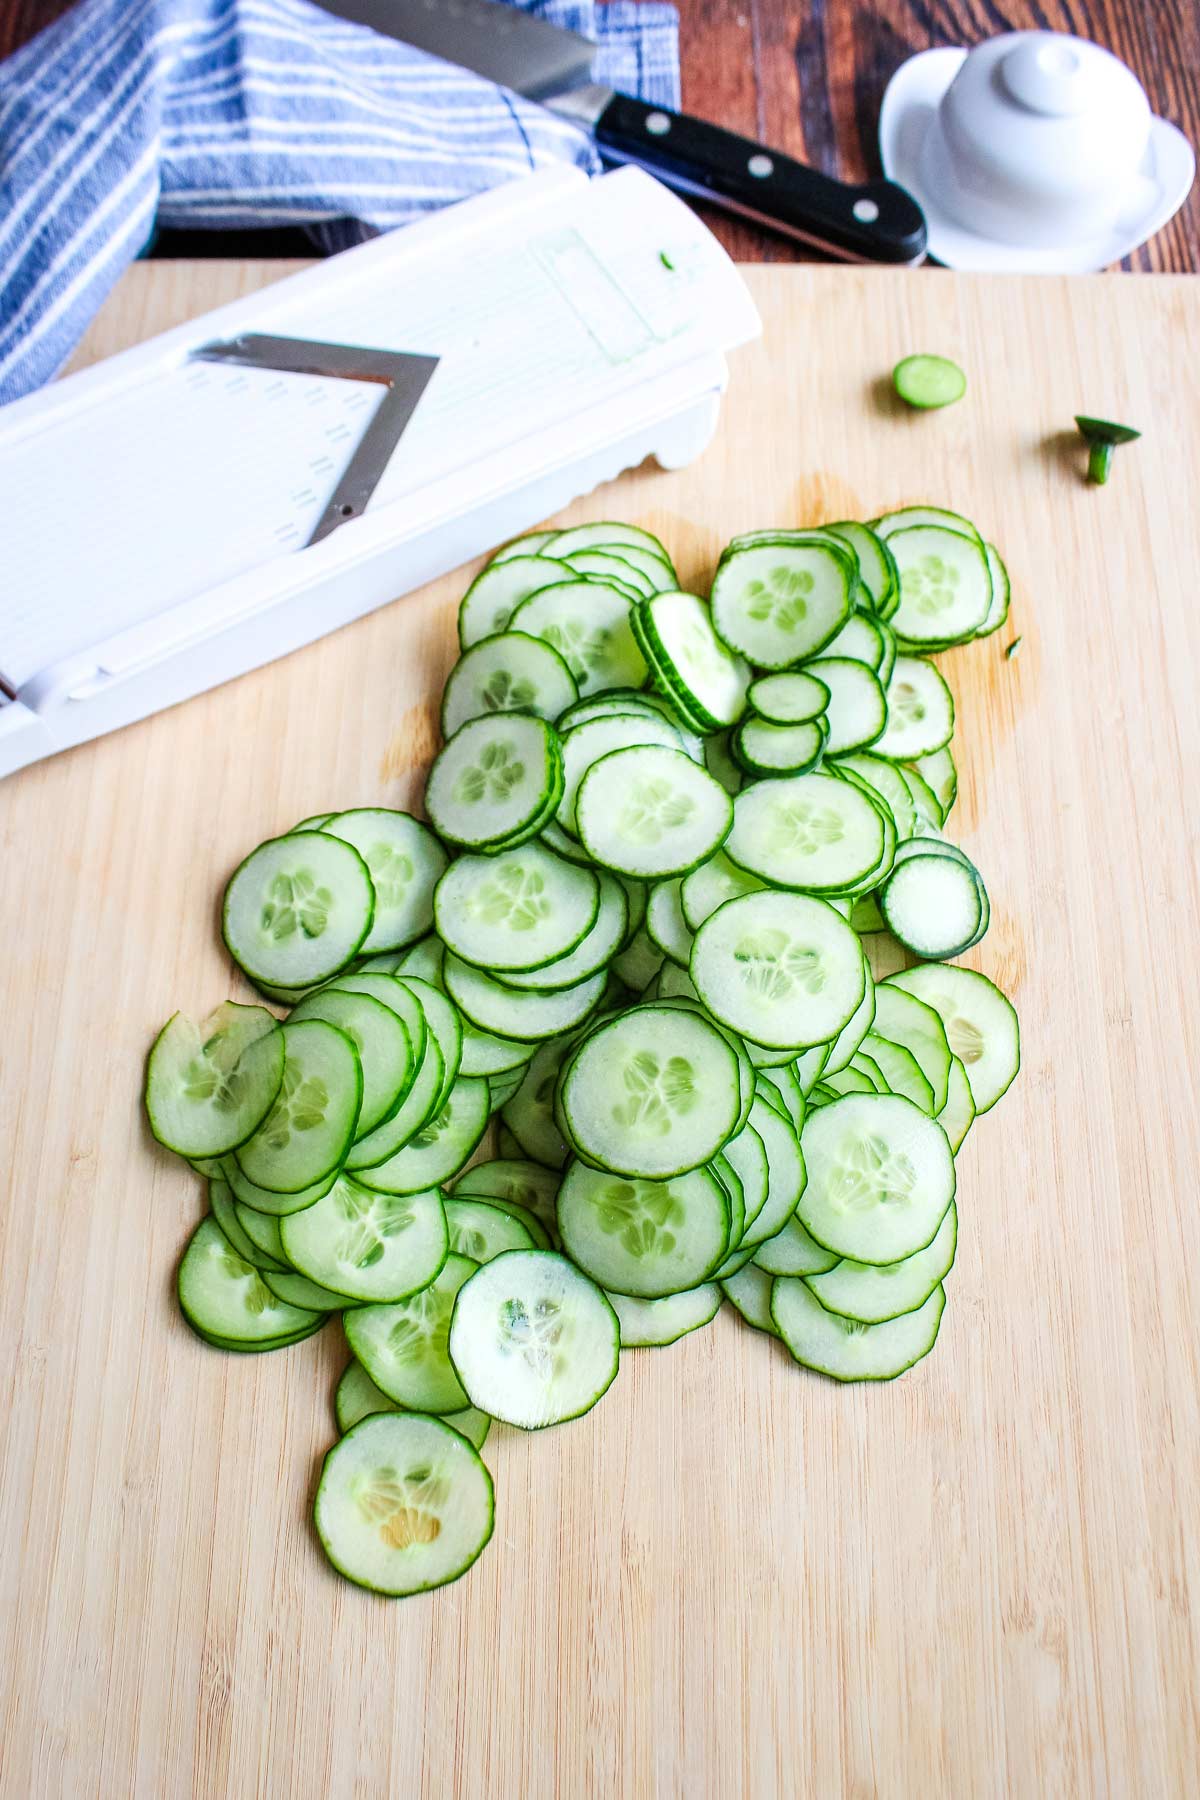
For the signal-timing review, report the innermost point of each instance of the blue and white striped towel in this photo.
(239, 113)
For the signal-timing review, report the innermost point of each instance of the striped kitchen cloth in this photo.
(241, 113)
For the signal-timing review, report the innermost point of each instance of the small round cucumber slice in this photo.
(644, 1238)
(811, 832)
(357, 1397)
(945, 585)
(210, 1085)
(298, 909)
(880, 1177)
(652, 1324)
(383, 1045)
(516, 911)
(403, 1346)
(778, 603)
(404, 861)
(980, 1022)
(857, 710)
(588, 623)
(784, 970)
(927, 381)
(404, 1504)
(749, 1291)
(651, 812)
(368, 1246)
(872, 1295)
(788, 699)
(440, 1148)
(509, 1181)
(224, 1296)
(510, 672)
(533, 1340)
(494, 595)
(766, 749)
(311, 1126)
(496, 779)
(481, 1231)
(933, 905)
(846, 1349)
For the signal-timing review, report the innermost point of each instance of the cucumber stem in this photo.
(1099, 461)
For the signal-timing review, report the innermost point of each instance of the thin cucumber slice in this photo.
(933, 905)
(210, 1085)
(878, 584)
(665, 921)
(872, 1295)
(766, 749)
(746, 1073)
(848, 1040)
(718, 760)
(224, 1296)
(846, 1349)
(906, 1020)
(298, 1290)
(810, 1066)
(880, 1177)
(790, 699)
(782, 1085)
(945, 585)
(271, 1206)
(403, 1347)
(481, 1231)
(423, 961)
(927, 381)
(589, 623)
(555, 838)
(607, 534)
(651, 812)
(786, 1174)
(511, 672)
(314, 822)
(223, 1207)
(444, 1022)
(644, 1238)
(357, 1397)
(899, 1070)
(890, 648)
(368, 1246)
(854, 1081)
(509, 1181)
(958, 1114)
(981, 1025)
(441, 1147)
(784, 970)
(730, 1182)
(749, 1291)
(710, 885)
(492, 1006)
(793, 1252)
(652, 1324)
(531, 544)
(534, 1342)
(639, 963)
(925, 802)
(1001, 593)
(404, 1504)
(778, 603)
(262, 1231)
(860, 640)
(415, 1110)
(585, 743)
(483, 1053)
(857, 710)
(593, 952)
(494, 595)
(651, 1093)
(501, 1088)
(607, 566)
(384, 1048)
(677, 638)
(909, 517)
(495, 780)
(297, 909)
(207, 1166)
(651, 565)
(920, 711)
(518, 910)
(404, 861)
(866, 916)
(529, 1114)
(311, 1126)
(811, 832)
(938, 771)
(887, 781)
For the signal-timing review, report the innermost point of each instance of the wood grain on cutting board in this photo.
(732, 1577)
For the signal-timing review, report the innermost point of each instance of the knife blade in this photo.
(874, 221)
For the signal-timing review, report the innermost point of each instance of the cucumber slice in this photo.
(730, 1182)
(403, 1347)
(778, 603)
(933, 905)
(511, 672)
(483, 1053)
(906, 1020)
(531, 544)
(880, 1177)
(1001, 593)
(656, 573)
(379, 1036)
(651, 812)
(780, 1087)
(980, 1022)
(262, 1231)
(676, 635)
(606, 565)
(793, 1252)
(404, 1504)
(909, 517)
(790, 699)
(534, 1342)
(444, 1022)
(786, 1174)
(846, 1349)
(529, 1114)
(749, 1291)
(368, 1246)
(492, 1006)
(783, 969)
(585, 743)
(958, 1114)
(860, 640)
(440, 1148)
(710, 885)
(267, 1205)
(497, 780)
(594, 951)
(481, 1231)
(927, 382)
(311, 1125)
(298, 1290)
(939, 772)
(647, 1324)
(920, 711)
(878, 583)
(223, 1207)
(651, 1093)
(849, 1039)
(518, 910)
(210, 1085)
(811, 832)
(297, 909)
(501, 1088)
(223, 1296)
(718, 760)
(495, 594)
(419, 1105)
(608, 534)
(639, 963)
(766, 749)
(945, 585)
(508, 1181)
(898, 1069)
(872, 1295)
(665, 922)
(404, 861)
(589, 623)
(811, 1065)
(647, 1239)
(887, 781)
(857, 710)
(357, 1397)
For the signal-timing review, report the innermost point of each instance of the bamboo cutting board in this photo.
(732, 1578)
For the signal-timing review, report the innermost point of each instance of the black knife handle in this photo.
(877, 222)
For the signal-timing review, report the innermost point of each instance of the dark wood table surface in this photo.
(807, 76)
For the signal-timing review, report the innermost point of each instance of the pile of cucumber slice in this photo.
(630, 935)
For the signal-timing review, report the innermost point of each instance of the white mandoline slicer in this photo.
(235, 488)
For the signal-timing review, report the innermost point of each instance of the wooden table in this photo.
(732, 1578)
(808, 76)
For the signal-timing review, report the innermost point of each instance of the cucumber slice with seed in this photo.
(440, 1148)
(510, 672)
(778, 603)
(871, 1295)
(357, 1397)
(496, 780)
(945, 585)
(880, 1177)
(980, 1023)
(383, 1045)
(404, 861)
(403, 1347)
(589, 624)
(790, 699)
(920, 711)
(492, 598)
(481, 1231)
(224, 1296)
(368, 1246)
(584, 744)
(647, 1324)
(783, 969)
(846, 1349)
(492, 1006)
(647, 1239)
(311, 1125)
(651, 812)
(676, 635)
(297, 909)
(857, 710)
(593, 952)
(515, 911)
(766, 749)
(508, 1181)
(210, 1085)
(812, 832)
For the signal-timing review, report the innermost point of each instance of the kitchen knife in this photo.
(876, 221)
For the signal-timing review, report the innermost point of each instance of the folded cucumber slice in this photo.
(368, 1246)
(778, 603)
(511, 672)
(224, 1209)
(297, 909)
(404, 861)
(907, 1020)
(784, 970)
(509, 1181)
(766, 749)
(651, 1093)
(593, 952)
(981, 1025)
(677, 638)
(381, 1040)
(589, 624)
(933, 905)
(644, 1238)
(789, 699)
(920, 710)
(496, 780)
(494, 595)
(440, 1148)
(311, 1125)
(749, 1291)
(793, 1252)
(356, 1397)
(210, 1085)
(857, 710)
(870, 1294)
(589, 740)
(958, 1114)
(647, 1324)
(224, 1296)
(811, 832)
(651, 812)
(404, 1347)
(492, 1006)
(845, 1348)
(404, 1504)
(518, 910)
(481, 1231)
(880, 1177)
(534, 1342)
